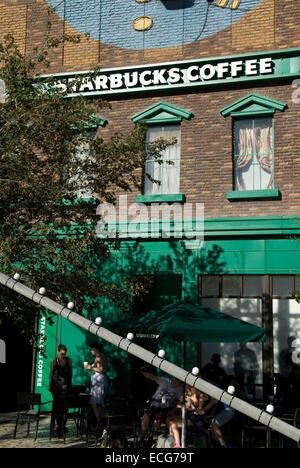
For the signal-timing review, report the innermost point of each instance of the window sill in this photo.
(252, 194)
(173, 197)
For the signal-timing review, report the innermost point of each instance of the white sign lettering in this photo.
(155, 77)
(40, 362)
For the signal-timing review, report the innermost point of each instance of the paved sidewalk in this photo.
(7, 427)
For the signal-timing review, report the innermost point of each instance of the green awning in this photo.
(186, 321)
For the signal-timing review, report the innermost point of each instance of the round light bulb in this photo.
(130, 336)
(231, 390)
(195, 370)
(70, 305)
(161, 353)
(16, 276)
(42, 291)
(98, 321)
(270, 409)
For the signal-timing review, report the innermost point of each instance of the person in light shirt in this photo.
(164, 398)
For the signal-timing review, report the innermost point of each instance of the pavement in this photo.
(7, 427)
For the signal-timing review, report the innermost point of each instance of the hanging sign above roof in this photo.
(186, 74)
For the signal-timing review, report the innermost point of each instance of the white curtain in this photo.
(167, 174)
(253, 154)
(152, 168)
(84, 191)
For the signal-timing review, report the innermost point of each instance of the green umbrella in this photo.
(187, 321)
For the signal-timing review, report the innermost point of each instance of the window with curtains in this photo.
(167, 172)
(79, 180)
(84, 190)
(253, 154)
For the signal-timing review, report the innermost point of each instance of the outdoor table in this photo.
(78, 403)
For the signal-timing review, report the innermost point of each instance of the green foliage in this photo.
(47, 232)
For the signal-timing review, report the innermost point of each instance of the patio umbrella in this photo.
(189, 322)
(185, 321)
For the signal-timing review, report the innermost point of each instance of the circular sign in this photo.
(174, 22)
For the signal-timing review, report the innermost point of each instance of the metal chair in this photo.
(251, 430)
(116, 412)
(207, 433)
(26, 411)
(290, 419)
(193, 431)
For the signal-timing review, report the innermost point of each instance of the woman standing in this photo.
(98, 381)
(60, 382)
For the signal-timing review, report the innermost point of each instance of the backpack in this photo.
(165, 441)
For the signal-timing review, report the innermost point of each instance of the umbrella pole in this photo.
(183, 420)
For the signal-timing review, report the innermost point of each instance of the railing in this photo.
(127, 345)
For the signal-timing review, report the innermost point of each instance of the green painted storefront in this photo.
(232, 246)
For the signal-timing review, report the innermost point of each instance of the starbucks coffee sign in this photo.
(186, 74)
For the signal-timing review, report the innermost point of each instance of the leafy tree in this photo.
(47, 230)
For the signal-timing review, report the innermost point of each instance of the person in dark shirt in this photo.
(60, 382)
(213, 371)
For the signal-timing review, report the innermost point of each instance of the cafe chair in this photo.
(192, 432)
(252, 432)
(290, 418)
(26, 411)
(116, 414)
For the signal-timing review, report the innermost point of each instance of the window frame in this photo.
(161, 114)
(235, 156)
(163, 165)
(253, 106)
(92, 125)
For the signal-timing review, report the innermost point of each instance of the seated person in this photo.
(166, 396)
(223, 412)
(198, 407)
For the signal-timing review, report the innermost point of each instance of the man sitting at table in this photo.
(165, 398)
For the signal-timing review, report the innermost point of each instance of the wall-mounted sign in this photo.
(187, 74)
